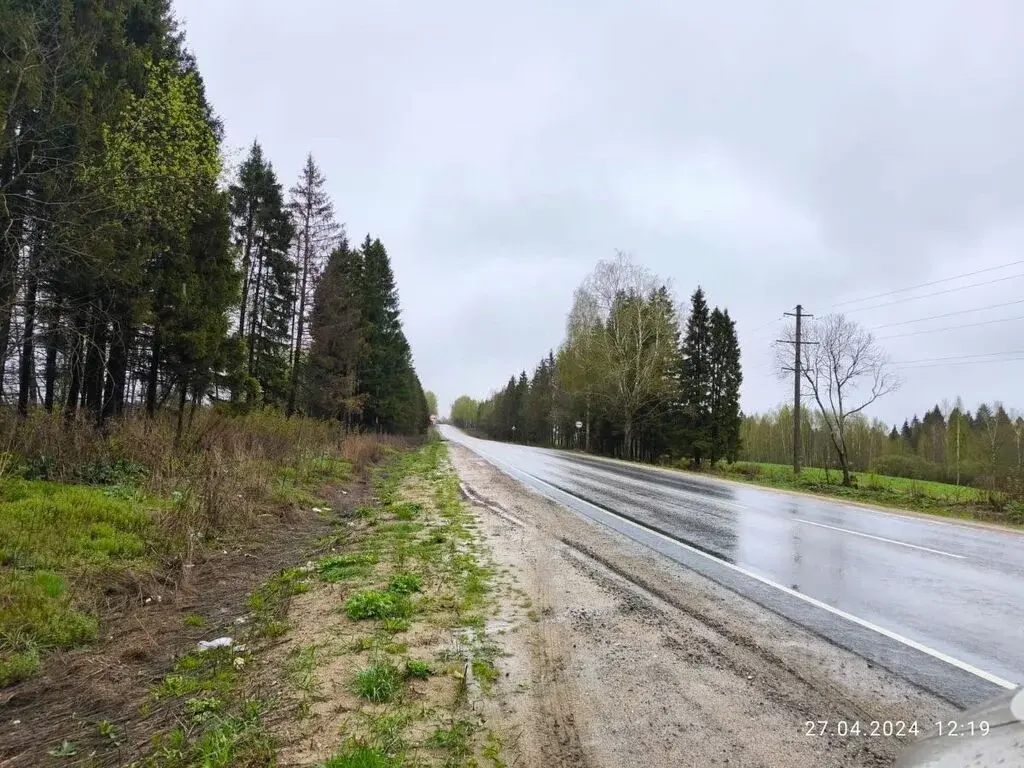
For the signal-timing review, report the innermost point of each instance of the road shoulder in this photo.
(630, 654)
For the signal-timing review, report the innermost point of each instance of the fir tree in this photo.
(726, 377)
(337, 338)
(695, 438)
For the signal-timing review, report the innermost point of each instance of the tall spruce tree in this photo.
(694, 406)
(726, 378)
(336, 329)
(386, 361)
(264, 233)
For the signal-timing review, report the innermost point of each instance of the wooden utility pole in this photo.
(797, 342)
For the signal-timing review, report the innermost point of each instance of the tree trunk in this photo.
(26, 371)
(75, 361)
(11, 231)
(95, 365)
(113, 401)
(255, 303)
(154, 375)
(182, 398)
(586, 434)
(627, 433)
(246, 268)
(52, 339)
(301, 329)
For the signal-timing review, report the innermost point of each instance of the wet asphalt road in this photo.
(940, 604)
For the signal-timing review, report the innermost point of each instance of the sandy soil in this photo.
(619, 656)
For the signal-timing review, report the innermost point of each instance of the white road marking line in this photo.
(881, 538)
(936, 654)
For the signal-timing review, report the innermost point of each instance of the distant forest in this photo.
(950, 444)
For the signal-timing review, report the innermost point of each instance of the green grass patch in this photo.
(396, 625)
(195, 620)
(405, 584)
(334, 568)
(869, 488)
(54, 537)
(406, 510)
(269, 603)
(378, 682)
(300, 667)
(455, 739)
(486, 673)
(358, 755)
(418, 668)
(375, 604)
(18, 665)
(399, 530)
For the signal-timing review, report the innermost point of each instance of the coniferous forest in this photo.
(138, 272)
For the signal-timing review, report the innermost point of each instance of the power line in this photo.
(960, 362)
(927, 285)
(951, 328)
(765, 325)
(949, 314)
(938, 293)
(960, 357)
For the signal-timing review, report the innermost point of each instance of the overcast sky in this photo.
(773, 152)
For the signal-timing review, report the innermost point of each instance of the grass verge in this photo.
(927, 496)
(402, 600)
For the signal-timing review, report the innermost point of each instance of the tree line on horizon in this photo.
(950, 444)
(136, 271)
(640, 384)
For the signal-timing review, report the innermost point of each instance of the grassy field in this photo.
(133, 505)
(882, 490)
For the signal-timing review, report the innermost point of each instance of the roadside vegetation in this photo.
(397, 614)
(370, 654)
(884, 490)
(192, 359)
(86, 514)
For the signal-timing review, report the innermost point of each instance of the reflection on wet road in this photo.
(948, 598)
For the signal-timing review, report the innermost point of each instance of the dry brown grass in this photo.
(225, 471)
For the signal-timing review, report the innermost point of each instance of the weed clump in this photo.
(378, 682)
(375, 604)
(405, 584)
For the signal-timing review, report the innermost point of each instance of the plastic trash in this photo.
(220, 642)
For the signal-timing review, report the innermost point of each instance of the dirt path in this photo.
(619, 656)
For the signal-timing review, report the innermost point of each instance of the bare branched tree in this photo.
(845, 371)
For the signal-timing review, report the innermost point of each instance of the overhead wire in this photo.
(959, 357)
(897, 367)
(928, 284)
(948, 314)
(938, 293)
(951, 328)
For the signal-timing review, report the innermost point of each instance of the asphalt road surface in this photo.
(940, 604)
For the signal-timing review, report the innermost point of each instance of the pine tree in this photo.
(317, 233)
(726, 377)
(694, 407)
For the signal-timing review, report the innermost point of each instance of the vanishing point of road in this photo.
(939, 603)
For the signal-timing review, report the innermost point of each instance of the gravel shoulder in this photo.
(617, 654)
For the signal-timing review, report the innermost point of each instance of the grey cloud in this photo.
(774, 152)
